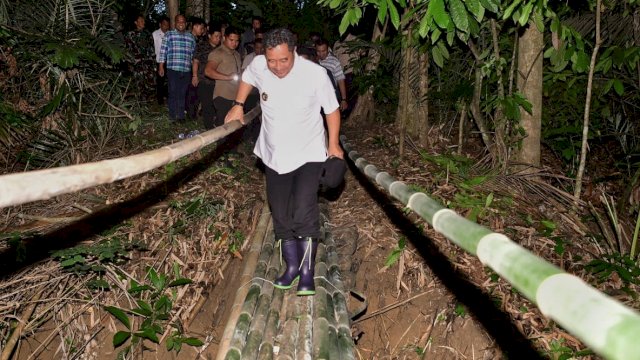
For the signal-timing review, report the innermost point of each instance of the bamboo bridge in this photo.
(266, 324)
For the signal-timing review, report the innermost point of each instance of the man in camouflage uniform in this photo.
(139, 43)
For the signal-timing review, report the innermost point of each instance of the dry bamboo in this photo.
(17, 332)
(20, 188)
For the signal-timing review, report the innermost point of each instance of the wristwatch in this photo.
(238, 103)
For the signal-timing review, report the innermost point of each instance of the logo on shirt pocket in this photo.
(265, 97)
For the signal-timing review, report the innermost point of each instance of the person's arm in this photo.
(163, 55)
(211, 71)
(344, 104)
(194, 71)
(237, 112)
(333, 127)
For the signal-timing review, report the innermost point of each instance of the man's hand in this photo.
(336, 151)
(194, 81)
(235, 113)
(161, 69)
(344, 105)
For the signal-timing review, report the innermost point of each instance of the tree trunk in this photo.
(207, 11)
(529, 82)
(172, 9)
(195, 8)
(499, 121)
(364, 111)
(418, 108)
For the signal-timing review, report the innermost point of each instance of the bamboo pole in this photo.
(241, 293)
(20, 188)
(602, 323)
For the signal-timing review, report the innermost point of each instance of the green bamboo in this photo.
(304, 345)
(240, 332)
(334, 351)
(341, 310)
(287, 339)
(257, 327)
(320, 308)
(266, 351)
(605, 325)
(321, 341)
(345, 343)
(233, 354)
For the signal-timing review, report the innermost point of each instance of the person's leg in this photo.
(306, 223)
(191, 102)
(279, 197)
(205, 94)
(185, 81)
(222, 106)
(173, 80)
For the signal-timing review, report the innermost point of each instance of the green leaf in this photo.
(437, 56)
(475, 8)
(618, 86)
(509, 10)
(490, 5)
(393, 13)
(393, 257)
(144, 305)
(489, 200)
(139, 288)
(526, 11)
(179, 282)
(334, 4)
(435, 35)
(423, 28)
(436, 9)
(459, 15)
(120, 337)
(191, 341)
(148, 333)
(382, 11)
(344, 23)
(119, 314)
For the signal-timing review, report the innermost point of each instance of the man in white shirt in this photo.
(292, 145)
(258, 49)
(161, 83)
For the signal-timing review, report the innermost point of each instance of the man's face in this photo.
(181, 23)
(323, 51)
(256, 24)
(197, 29)
(280, 60)
(139, 23)
(258, 48)
(231, 41)
(164, 25)
(215, 38)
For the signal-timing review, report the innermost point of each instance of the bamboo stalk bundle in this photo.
(266, 351)
(345, 343)
(602, 323)
(240, 332)
(258, 239)
(340, 309)
(256, 330)
(334, 352)
(320, 308)
(20, 188)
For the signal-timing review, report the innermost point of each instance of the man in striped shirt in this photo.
(176, 54)
(329, 61)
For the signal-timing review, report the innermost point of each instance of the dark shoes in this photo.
(308, 248)
(300, 256)
(288, 251)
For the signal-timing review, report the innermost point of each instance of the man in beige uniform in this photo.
(224, 66)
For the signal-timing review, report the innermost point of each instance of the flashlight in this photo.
(234, 77)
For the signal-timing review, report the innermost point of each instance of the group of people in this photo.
(197, 67)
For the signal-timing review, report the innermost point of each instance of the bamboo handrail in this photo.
(24, 187)
(605, 325)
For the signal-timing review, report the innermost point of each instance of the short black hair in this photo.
(231, 30)
(213, 28)
(256, 17)
(164, 18)
(196, 21)
(258, 41)
(322, 41)
(279, 36)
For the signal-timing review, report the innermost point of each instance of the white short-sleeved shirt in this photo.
(292, 131)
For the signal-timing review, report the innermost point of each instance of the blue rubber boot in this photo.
(307, 247)
(288, 251)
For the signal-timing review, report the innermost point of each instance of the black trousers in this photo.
(222, 106)
(162, 91)
(293, 199)
(205, 94)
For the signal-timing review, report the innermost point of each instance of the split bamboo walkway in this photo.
(268, 323)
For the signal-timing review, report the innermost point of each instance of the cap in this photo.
(333, 171)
